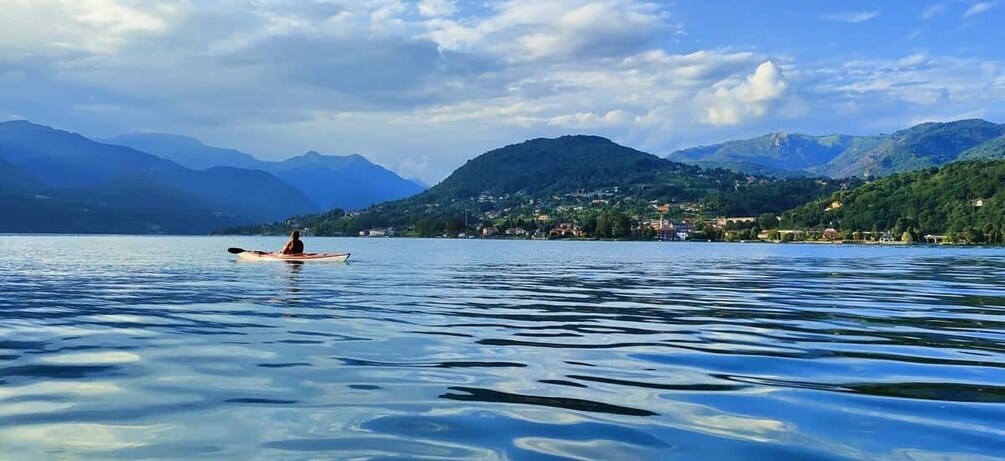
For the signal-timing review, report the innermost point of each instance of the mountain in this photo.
(13, 179)
(73, 184)
(251, 194)
(580, 178)
(961, 197)
(543, 166)
(63, 159)
(329, 181)
(992, 149)
(921, 146)
(839, 156)
(141, 208)
(349, 182)
(776, 152)
(423, 184)
(186, 151)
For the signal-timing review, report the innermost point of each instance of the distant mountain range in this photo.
(56, 181)
(840, 156)
(329, 181)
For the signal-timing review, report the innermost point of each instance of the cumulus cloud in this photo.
(853, 17)
(979, 8)
(653, 90)
(735, 102)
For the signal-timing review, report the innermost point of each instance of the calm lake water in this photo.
(168, 348)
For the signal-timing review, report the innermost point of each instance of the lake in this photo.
(117, 347)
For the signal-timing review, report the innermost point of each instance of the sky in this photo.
(421, 86)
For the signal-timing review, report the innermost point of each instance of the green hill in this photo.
(962, 199)
(545, 166)
(992, 149)
(570, 179)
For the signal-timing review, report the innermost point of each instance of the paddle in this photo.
(242, 250)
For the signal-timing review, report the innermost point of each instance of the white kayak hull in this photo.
(266, 256)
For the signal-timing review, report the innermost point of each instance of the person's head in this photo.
(295, 235)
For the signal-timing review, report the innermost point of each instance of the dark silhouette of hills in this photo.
(59, 181)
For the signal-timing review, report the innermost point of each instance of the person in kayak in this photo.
(295, 246)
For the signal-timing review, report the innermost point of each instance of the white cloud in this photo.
(962, 84)
(437, 8)
(734, 102)
(853, 17)
(521, 30)
(95, 26)
(912, 60)
(593, 120)
(933, 11)
(652, 90)
(979, 8)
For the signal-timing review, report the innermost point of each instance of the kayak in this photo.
(267, 256)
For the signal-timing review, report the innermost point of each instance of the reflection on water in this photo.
(428, 349)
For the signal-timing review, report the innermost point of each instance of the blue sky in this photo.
(421, 86)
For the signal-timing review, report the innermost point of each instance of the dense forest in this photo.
(963, 201)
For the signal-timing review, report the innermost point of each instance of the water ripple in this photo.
(432, 349)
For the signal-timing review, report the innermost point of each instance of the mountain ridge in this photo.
(929, 144)
(83, 182)
(521, 167)
(329, 181)
(840, 155)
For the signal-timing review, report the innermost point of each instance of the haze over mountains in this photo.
(839, 156)
(329, 181)
(56, 181)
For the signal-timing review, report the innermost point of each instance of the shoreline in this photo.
(774, 242)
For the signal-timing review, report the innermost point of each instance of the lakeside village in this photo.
(606, 214)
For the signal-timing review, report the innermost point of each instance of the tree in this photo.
(603, 226)
(767, 221)
(426, 227)
(647, 233)
(621, 226)
(907, 237)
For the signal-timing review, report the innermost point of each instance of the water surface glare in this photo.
(115, 347)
